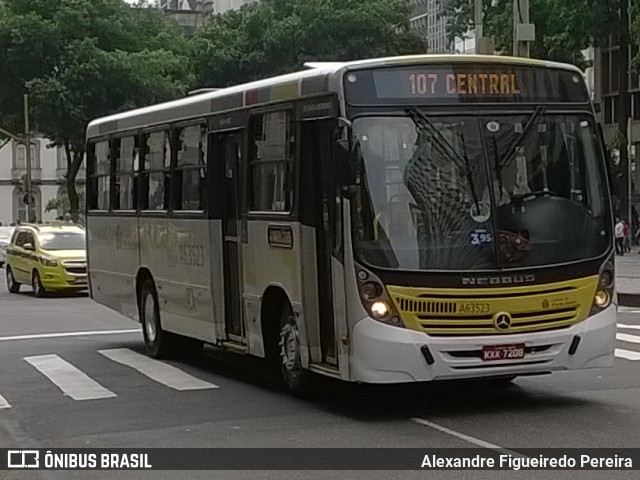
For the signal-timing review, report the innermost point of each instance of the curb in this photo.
(629, 299)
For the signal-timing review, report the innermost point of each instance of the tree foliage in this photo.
(277, 36)
(82, 59)
(563, 27)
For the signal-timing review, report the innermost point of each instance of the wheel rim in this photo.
(149, 317)
(289, 346)
(36, 284)
(9, 278)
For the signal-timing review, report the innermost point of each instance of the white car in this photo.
(5, 239)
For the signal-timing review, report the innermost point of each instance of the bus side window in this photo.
(99, 169)
(157, 160)
(190, 173)
(271, 161)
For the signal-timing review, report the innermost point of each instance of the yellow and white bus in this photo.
(382, 221)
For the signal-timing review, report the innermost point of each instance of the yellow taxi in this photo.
(50, 258)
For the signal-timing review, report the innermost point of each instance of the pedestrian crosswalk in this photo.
(155, 370)
(69, 379)
(77, 385)
(626, 335)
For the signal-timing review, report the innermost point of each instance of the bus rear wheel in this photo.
(156, 340)
(296, 379)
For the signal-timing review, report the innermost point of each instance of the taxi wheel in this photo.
(156, 340)
(38, 290)
(12, 285)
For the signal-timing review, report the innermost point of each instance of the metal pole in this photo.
(523, 32)
(516, 21)
(629, 192)
(478, 20)
(27, 137)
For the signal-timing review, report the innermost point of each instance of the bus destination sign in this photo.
(438, 84)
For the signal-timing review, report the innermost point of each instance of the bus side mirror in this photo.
(344, 166)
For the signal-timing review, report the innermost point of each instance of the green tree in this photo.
(564, 28)
(277, 36)
(61, 203)
(82, 59)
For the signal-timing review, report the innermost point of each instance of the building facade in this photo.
(48, 170)
(606, 85)
(191, 14)
(426, 18)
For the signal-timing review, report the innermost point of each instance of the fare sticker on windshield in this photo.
(480, 212)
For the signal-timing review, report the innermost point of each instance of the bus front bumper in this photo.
(386, 354)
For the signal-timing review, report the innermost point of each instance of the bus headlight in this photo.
(606, 278)
(375, 298)
(380, 310)
(370, 291)
(602, 299)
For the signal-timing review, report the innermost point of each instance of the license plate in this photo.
(503, 352)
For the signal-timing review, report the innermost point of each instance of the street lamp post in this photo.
(27, 141)
(524, 33)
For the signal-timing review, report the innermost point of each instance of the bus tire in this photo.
(12, 285)
(296, 379)
(156, 340)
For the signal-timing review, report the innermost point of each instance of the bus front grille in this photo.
(485, 325)
(468, 312)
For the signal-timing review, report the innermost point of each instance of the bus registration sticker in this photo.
(503, 352)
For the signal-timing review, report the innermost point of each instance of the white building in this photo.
(205, 6)
(426, 18)
(192, 14)
(48, 179)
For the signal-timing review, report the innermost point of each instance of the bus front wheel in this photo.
(296, 379)
(156, 340)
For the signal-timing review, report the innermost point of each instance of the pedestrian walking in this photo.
(627, 237)
(619, 234)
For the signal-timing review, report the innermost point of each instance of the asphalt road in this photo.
(223, 401)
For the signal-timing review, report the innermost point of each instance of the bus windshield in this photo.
(463, 192)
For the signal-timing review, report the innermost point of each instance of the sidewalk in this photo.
(628, 278)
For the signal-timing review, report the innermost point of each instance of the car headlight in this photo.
(48, 262)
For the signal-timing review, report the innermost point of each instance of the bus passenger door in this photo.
(319, 209)
(229, 155)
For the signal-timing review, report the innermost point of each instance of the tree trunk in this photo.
(624, 110)
(74, 161)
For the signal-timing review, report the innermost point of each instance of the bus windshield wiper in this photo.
(534, 119)
(422, 120)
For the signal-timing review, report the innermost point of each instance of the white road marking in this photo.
(627, 354)
(68, 334)
(466, 438)
(159, 371)
(68, 378)
(623, 337)
(629, 327)
(4, 403)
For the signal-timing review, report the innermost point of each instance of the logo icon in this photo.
(502, 321)
(545, 304)
(23, 459)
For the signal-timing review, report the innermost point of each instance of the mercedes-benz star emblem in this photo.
(502, 321)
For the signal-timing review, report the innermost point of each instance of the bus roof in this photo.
(315, 80)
